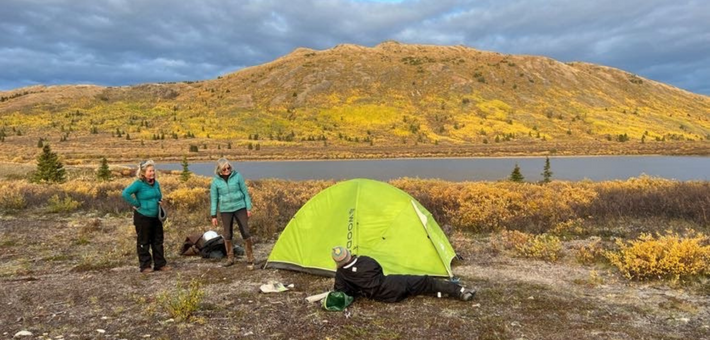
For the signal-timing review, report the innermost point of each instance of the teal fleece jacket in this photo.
(230, 195)
(146, 197)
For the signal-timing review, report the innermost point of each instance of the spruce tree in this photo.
(516, 176)
(185, 174)
(103, 173)
(49, 168)
(546, 173)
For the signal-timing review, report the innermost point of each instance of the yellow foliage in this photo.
(189, 198)
(662, 257)
(590, 253)
(544, 247)
(182, 303)
(66, 204)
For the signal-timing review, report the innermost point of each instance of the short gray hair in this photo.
(221, 164)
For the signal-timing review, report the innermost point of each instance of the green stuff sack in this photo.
(337, 301)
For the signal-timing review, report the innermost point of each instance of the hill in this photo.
(352, 101)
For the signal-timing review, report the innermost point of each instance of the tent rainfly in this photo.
(369, 218)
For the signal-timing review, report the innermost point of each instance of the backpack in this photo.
(211, 246)
(213, 249)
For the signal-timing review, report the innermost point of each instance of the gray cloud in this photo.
(121, 42)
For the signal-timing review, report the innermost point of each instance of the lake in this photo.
(597, 168)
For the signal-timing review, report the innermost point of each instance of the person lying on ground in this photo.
(363, 276)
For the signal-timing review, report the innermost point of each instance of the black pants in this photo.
(150, 235)
(228, 224)
(397, 287)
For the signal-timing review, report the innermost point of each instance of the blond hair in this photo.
(221, 164)
(142, 167)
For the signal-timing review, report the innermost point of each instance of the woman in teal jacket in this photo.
(229, 194)
(145, 198)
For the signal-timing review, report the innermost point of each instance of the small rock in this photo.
(515, 324)
(104, 318)
(683, 320)
(531, 298)
(249, 333)
(22, 333)
(102, 331)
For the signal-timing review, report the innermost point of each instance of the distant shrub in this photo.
(12, 201)
(543, 247)
(58, 205)
(591, 253)
(189, 198)
(666, 256)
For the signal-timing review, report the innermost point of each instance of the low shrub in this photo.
(182, 303)
(591, 253)
(59, 205)
(543, 247)
(668, 256)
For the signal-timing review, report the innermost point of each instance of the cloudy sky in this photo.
(124, 42)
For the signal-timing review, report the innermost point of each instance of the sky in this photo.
(127, 42)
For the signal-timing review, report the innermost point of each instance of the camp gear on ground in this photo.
(149, 238)
(368, 218)
(208, 245)
(317, 297)
(364, 277)
(230, 195)
(208, 235)
(336, 301)
(274, 287)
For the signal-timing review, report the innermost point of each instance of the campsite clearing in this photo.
(75, 276)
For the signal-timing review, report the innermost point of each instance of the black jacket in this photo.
(363, 276)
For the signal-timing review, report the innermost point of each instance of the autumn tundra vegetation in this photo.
(551, 259)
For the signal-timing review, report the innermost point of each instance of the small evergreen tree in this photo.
(516, 176)
(40, 143)
(49, 168)
(546, 173)
(103, 173)
(185, 174)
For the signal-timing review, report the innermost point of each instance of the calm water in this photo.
(470, 169)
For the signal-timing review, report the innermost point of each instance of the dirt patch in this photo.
(77, 277)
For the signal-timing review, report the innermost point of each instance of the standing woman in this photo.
(145, 198)
(228, 192)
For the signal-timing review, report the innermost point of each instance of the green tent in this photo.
(369, 218)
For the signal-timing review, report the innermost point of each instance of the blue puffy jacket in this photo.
(146, 197)
(230, 195)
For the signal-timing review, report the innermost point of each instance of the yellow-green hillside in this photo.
(392, 95)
